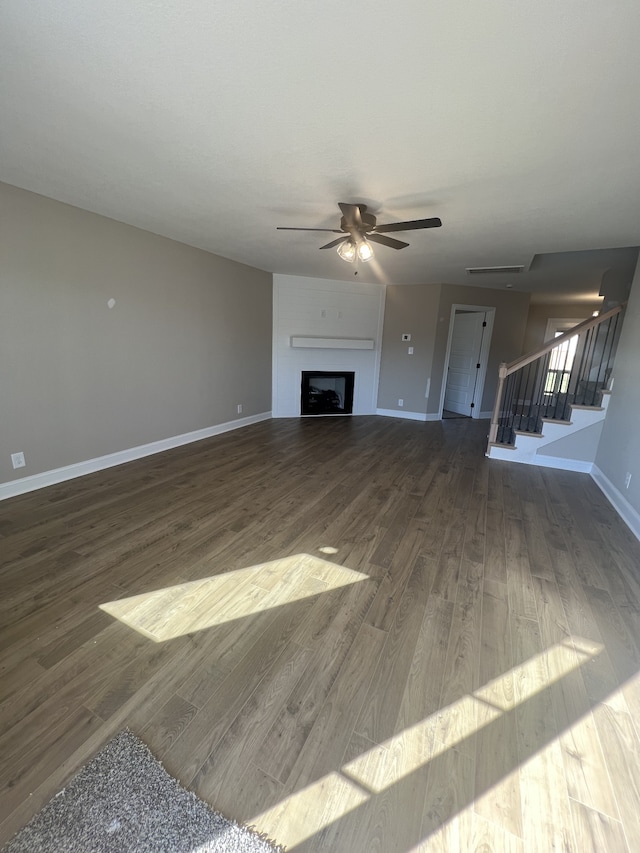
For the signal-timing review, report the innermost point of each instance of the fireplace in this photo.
(327, 392)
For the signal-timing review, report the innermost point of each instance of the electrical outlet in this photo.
(627, 479)
(239, 408)
(401, 402)
(17, 460)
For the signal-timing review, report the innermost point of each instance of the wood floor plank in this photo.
(71, 680)
(597, 670)
(538, 529)
(42, 758)
(388, 597)
(595, 832)
(457, 718)
(421, 697)
(168, 724)
(585, 766)
(394, 776)
(622, 747)
(519, 577)
(620, 644)
(12, 678)
(215, 779)
(326, 744)
(286, 739)
(380, 712)
(546, 815)
(497, 775)
(449, 789)
(495, 563)
(211, 722)
(473, 834)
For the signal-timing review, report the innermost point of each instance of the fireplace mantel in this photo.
(332, 343)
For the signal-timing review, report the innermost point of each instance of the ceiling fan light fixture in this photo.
(347, 251)
(365, 252)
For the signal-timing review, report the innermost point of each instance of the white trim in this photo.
(560, 324)
(508, 453)
(581, 465)
(332, 343)
(483, 415)
(89, 466)
(490, 313)
(407, 416)
(627, 513)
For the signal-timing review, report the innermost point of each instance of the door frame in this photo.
(484, 355)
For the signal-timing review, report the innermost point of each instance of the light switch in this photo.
(410, 350)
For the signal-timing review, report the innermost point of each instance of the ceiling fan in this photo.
(359, 229)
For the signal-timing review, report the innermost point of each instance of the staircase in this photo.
(551, 403)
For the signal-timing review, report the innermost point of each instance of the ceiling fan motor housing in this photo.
(368, 222)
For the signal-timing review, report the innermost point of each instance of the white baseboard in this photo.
(563, 464)
(484, 415)
(89, 466)
(510, 454)
(407, 416)
(627, 513)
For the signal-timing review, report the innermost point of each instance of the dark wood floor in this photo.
(357, 634)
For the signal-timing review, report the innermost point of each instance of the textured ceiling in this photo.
(517, 123)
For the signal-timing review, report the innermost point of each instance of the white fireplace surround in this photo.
(336, 326)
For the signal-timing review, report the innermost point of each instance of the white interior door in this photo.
(464, 361)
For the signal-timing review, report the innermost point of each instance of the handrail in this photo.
(506, 369)
(589, 323)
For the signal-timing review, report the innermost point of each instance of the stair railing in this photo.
(570, 370)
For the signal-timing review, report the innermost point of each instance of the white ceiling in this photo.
(518, 123)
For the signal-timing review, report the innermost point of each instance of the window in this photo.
(561, 358)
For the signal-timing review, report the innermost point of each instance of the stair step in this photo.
(588, 408)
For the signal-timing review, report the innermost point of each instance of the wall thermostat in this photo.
(406, 337)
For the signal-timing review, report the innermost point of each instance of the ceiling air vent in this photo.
(493, 270)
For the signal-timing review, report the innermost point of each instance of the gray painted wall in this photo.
(413, 310)
(619, 449)
(425, 312)
(188, 339)
(582, 444)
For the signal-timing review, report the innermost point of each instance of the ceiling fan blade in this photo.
(434, 222)
(351, 213)
(386, 241)
(336, 242)
(330, 230)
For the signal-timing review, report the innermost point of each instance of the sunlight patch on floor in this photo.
(186, 608)
(469, 832)
(386, 764)
(310, 810)
(321, 804)
(555, 662)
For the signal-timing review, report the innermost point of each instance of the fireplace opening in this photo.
(327, 392)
